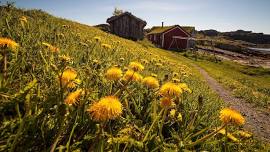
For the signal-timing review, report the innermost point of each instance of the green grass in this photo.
(249, 83)
(34, 116)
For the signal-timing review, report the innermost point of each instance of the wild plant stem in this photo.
(226, 138)
(125, 147)
(154, 109)
(72, 131)
(62, 126)
(152, 125)
(205, 137)
(44, 60)
(111, 87)
(125, 85)
(5, 66)
(162, 122)
(19, 130)
(17, 135)
(102, 140)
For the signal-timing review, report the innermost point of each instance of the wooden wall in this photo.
(127, 27)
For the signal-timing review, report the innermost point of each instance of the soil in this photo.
(257, 120)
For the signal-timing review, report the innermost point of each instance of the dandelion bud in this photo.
(136, 66)
(165, 102)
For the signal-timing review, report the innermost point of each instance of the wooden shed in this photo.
(127, 25)
(172, 37)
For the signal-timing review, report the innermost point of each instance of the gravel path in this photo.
(257, 122)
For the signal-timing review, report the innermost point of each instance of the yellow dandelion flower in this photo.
(229, 135)
(6, 42)
(144, 61)
(154, 75)
(23, 19)
(65, 58)
(256, 94)
(172, 113)
(165, 102)
(122, 59)
(244, 134)
(136, 66)
(106, 46)
(50, 47)
(60, 35)
(84, 44)
(125, 68)
(180, 117)
(175, 80)
(106, 108)
(158, 64)
(65, 26)
(231, 116)
(170, 89)
(132, 76)
(113, 73)
(73, 97)
(96, 61)
(184, 87)
(74, 83)
(151, 82)
(67, 77)
(97, 38)
(175, 74)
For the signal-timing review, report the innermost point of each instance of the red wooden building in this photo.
(172, 37)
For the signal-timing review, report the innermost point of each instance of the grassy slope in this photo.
(250, 83)
(76, 40)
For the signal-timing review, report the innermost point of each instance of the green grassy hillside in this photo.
(39, 111)
(249, 83)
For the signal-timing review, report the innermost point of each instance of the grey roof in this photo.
(109, 20)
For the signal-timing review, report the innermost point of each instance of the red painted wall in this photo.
(180, 43)
(156, 40)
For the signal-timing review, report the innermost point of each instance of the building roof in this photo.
(109, 20)
(160, 29)
(188, 29)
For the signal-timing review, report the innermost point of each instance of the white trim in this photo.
(177, 26)
(171, 44)
(183, 38)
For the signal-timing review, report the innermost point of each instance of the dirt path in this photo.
(257, 122)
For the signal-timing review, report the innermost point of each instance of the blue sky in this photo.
(222, 15)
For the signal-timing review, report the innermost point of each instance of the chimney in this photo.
(162, 24)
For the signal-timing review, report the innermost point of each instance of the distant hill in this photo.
(248, 36)
(210, 32)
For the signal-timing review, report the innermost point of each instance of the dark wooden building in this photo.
(127, 25)
(172, 37)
